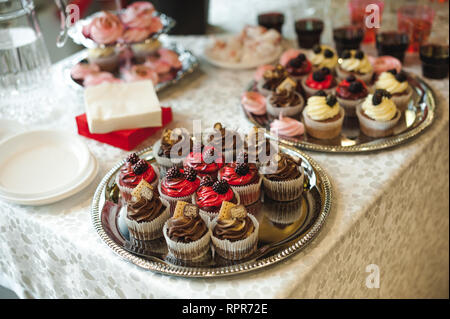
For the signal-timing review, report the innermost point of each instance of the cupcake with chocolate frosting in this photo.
(284, 182)
(146, 213)
(162, 150)
(234, 232)
(259, 149)
(378, 115)
(323, 116)
(186, 233)
(227, 141)
(350, 93)
(211, 194)
(285, 99)
(178, 185)
(243, 177)
(132, 172)
(271, 80)
(396, 83)
(355, 62)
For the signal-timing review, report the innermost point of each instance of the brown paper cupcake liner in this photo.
(248, 194)
(402, 101)
(374, 128)
(349, 105)
(173, 200)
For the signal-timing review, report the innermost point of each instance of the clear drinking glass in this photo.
(24, 63)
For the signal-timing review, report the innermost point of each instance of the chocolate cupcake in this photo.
(286, 182)
(259, 149)
(146, 213)
(132, 172)
(350, 93)
(164, 149)
(234, 232)
(285, 99)
(211, 194)
(186, 233)
(225, 140)
(243, 177)
(271, 80)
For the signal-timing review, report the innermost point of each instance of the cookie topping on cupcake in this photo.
(173, 137)
(273, 78)
(145, 205)
(379, 106)
(233, 223)
(186, 225)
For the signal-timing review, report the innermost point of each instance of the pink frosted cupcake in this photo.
(170, 57)
(104, 29)
(80, 70)
(139, 73)
(138, 15)
(135, 35)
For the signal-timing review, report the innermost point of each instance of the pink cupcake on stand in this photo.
(139, 73)
(99, 78)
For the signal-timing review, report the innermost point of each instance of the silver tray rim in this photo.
(189, 61)
(375, 145)
(197, 272)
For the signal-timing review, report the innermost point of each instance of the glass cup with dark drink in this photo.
(416, 21)
(392, 43)
(271, 20)
(435, 60)
(348, 38)
(308, 32)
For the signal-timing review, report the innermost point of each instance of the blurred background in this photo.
(228, 16)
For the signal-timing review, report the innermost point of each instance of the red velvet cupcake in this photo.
(178, 185)
(132, 172)
(205, 163)
(299, 67)
(350, 93)
(243, 177)
(211, 194)
(321, 79)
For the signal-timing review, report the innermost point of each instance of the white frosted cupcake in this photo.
(106, 58)
(186, 233)
(285, 181)
(234, 233)
(355, 62)
(397, 85)
(286, 101)
(378, 115)
(323, 116)
(146, 213)
(323, 56)
(228, 141)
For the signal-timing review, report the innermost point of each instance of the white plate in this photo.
(241, 66)
(42, 165)
(8, 128)
(91, 173)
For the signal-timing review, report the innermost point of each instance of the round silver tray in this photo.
(277, 240)
(76, 30)
(188, 61)
(418, 116)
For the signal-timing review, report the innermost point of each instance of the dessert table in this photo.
(390, 209)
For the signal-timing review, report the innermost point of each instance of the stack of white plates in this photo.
(42, 167)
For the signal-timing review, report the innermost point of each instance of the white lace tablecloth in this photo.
(390, 209)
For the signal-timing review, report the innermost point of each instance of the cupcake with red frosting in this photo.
(206, 162)
(178, 185)
(133, 171)
(350, 93)
(298, 67)
(243, 177)
(321, 79)
(211, 194)
(138, 73)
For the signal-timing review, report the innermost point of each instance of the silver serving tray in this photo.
(417, 117)
(189, 64)
(76, 30)
(276, 242)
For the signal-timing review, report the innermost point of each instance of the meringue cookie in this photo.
(254, 102)
(287, 126)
